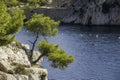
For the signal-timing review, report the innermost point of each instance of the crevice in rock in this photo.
(105, 8)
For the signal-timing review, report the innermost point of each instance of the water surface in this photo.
(96, 52)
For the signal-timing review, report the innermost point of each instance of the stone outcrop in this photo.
(60, 3)
(92, 12)
(14, 64)
(98, 12)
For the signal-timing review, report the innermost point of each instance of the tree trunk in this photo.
(33, 47)
(34, 62)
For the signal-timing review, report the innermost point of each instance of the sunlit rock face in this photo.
(12, 56)
(61, 3)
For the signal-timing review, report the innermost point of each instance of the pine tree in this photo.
(41, 26)
(58, 57)
(11, 21)
(47, 27)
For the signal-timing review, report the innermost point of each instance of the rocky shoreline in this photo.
(84, 12)
(14, 64)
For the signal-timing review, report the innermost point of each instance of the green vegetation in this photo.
(11, 22)
(24, 2)
(39, 2)
(11, 2)
(46, 27)
(58, 57)
(41, 26)
(20, 69)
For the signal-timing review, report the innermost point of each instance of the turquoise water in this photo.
(96, 52)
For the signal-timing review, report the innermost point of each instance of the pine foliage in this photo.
(42, 25)
(11, 21)
(58, 57)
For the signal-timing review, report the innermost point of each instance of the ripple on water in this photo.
(97, 55)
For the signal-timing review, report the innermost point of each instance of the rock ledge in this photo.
(14, 64)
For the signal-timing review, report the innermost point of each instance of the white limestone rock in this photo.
(6, 76)
(11, 56)
(36, 54)
(21, 77)
(26, 46)
(37, 73)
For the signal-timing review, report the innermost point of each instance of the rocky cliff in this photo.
(14, 64)
(95, 12)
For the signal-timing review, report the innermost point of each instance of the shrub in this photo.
(20, 69)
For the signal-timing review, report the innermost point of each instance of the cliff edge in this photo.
(86, 12)
(14, 64)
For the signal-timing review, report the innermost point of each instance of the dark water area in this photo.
(96, 51)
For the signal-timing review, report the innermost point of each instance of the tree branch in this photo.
(34, 62)
(30, 41)
(33, 46)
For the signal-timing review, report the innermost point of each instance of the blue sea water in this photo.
(96, 51)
